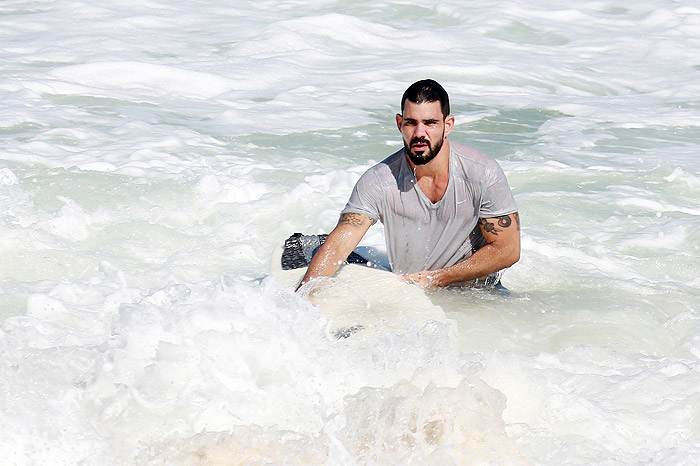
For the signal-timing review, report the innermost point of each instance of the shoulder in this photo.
(386, 171)
(469, 155)
(374, 186)
(393, 162)
(471, 162)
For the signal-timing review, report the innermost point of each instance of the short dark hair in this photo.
(427, 90)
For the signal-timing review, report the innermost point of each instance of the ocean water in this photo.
(154, 156)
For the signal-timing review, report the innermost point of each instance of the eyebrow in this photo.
(427, 120)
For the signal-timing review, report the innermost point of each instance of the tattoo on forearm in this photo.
(517, 219)
(355, 220)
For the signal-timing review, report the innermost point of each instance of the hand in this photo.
(310, 289)
(425, 279)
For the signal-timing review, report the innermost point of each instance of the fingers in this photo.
(422, 279)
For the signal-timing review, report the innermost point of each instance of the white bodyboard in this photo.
(364, 296)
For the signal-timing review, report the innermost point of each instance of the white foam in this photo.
(153, 155)
(8, 178)
(145, 78)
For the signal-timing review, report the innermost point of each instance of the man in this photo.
(447, 209)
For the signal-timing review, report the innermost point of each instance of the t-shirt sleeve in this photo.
(497, 198)
(365, 198)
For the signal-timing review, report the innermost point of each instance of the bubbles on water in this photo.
(404, 424)
(144, 183)
(195, 372)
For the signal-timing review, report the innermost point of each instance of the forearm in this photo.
(338, 246)
(327, 259)
(502, 250)
(487, 260)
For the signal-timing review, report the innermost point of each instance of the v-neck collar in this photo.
(426, 200)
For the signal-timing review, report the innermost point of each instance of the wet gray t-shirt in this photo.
(420, 234)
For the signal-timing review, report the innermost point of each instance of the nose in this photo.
(421, 130)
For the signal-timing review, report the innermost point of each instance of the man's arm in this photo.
(340, 243)
(502, 250)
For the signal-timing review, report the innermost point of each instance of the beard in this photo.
(422, 157)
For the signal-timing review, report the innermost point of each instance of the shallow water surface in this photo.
(154, 156)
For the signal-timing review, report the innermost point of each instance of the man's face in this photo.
(423, 129)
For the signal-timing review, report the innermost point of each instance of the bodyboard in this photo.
(363, 295)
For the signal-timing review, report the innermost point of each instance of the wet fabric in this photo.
(420, 234)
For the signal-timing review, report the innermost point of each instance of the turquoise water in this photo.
(153, 156)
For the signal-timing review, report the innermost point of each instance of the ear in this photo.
(399, 120)
(449, 124)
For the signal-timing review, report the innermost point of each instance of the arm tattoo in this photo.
(504, 221)
(352, 219)
(488, 227)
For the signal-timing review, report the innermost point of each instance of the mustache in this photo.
(419, 141)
